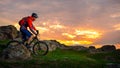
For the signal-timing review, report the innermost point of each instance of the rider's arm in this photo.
(31, 27)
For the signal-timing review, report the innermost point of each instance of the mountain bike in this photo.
(38, 47)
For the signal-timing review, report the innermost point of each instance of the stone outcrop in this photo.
(53, 44)
(78, 48)
(92, 49)
(108, 48)
(16, 51)
(103, 49)
(8, 32)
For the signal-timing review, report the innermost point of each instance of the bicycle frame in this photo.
(35, 38)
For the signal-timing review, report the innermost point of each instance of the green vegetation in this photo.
(3, 44)
(65, 59)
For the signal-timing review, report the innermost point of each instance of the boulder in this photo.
(63, 46)
(92, 49)
(78, 48)
(15, 52)
(108, 48)
(52, 45)
(118, 51)
(8, 32)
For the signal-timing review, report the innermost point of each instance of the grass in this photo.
(3, 44)
(111, 57)
(69, 59)
(63, 59)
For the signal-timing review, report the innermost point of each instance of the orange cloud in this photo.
(117, 27)
(57, 26)
(88, 33)
(69, 35)
(42, 29)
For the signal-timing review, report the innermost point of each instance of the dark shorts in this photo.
(25, 33)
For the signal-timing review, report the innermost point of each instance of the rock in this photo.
(15, 52)
(78, 48)
(92, 49)
(52, 44)
(108, 48)
(118, 51)
(8, 32)
(112, 65)
(63, 46)
(2, 36)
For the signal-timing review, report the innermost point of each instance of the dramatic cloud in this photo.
(69, 21)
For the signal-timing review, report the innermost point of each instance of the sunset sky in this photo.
(84, 22)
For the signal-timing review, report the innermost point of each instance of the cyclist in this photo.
(26, 22)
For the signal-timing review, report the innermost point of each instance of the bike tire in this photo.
(12, 43)
(40, 48)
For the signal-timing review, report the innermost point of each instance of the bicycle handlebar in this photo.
(37, 32)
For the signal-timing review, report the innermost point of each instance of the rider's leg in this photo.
(27, 36)
(30, 39)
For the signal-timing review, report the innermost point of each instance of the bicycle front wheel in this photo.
(40, 48)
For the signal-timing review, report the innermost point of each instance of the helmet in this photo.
(34, 15)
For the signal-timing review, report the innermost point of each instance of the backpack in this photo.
(23, 21)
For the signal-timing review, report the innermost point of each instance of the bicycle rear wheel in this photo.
(40, 48)
(13, 43)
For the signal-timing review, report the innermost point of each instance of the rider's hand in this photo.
(37, 31)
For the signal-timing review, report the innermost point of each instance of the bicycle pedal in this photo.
(30, 49)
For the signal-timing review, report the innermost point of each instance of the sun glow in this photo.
(117, 45)
(17, 26)
(72, 42)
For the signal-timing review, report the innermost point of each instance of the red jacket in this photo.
(27, 22)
